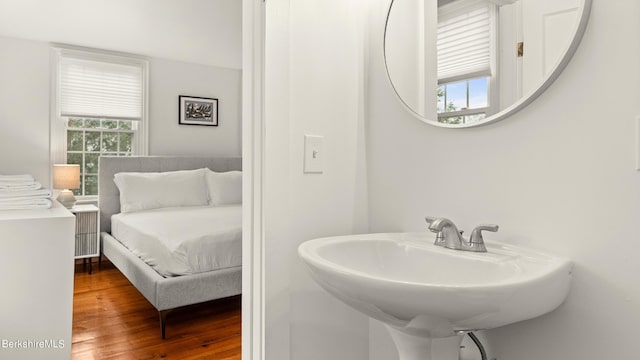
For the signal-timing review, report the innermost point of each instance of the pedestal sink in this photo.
(425, 293)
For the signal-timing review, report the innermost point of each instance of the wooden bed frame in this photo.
(164, 293)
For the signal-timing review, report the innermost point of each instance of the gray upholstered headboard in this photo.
(109, 196)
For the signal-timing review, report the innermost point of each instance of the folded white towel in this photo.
(17, 186)
(38, 193)
(26, 204)
(18, 183)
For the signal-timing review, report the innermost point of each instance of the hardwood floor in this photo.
(112, 320)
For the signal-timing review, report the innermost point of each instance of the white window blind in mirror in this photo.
(464, 40)
(100, 89)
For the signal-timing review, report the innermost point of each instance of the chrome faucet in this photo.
(450, 237)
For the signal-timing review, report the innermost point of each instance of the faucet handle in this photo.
(476, 234)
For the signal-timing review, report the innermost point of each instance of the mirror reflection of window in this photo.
(464, 101)
(467, 51)
(466, 43)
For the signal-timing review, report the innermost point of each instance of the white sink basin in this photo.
(427, 291)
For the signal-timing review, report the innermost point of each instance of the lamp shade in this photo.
(66, 176)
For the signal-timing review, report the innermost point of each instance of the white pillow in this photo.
(145, 191)
(224, 187)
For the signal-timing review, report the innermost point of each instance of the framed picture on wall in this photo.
(195, 110)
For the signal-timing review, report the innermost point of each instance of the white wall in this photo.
(24, 108)
(167, 80)
(196, 31)
(410, 53)
(559, 176)
(25, 99)
(313, 77)
(405, 52)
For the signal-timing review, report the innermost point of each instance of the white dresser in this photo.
(36, 277)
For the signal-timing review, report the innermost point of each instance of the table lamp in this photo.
(66, 177)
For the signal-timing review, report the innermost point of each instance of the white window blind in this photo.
(464, 40)
(91, 88)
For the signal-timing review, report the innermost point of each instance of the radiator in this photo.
(86, 234)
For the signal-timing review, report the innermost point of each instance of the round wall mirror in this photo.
(463, 63)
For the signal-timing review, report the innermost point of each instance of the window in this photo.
(100, 109)
(464, 101)
(465, 43)
(88, 138)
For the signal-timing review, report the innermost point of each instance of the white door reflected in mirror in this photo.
(461, 63)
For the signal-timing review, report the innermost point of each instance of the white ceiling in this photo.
(199, 31)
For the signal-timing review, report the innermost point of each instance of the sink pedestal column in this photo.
(423, 348)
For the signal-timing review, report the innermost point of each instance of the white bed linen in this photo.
(183, 240)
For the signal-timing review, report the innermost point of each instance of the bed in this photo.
(173, 288)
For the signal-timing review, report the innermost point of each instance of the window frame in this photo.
(465, 112)
(84, 152)
(58, 123)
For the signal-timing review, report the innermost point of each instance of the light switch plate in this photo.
(313, 154)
